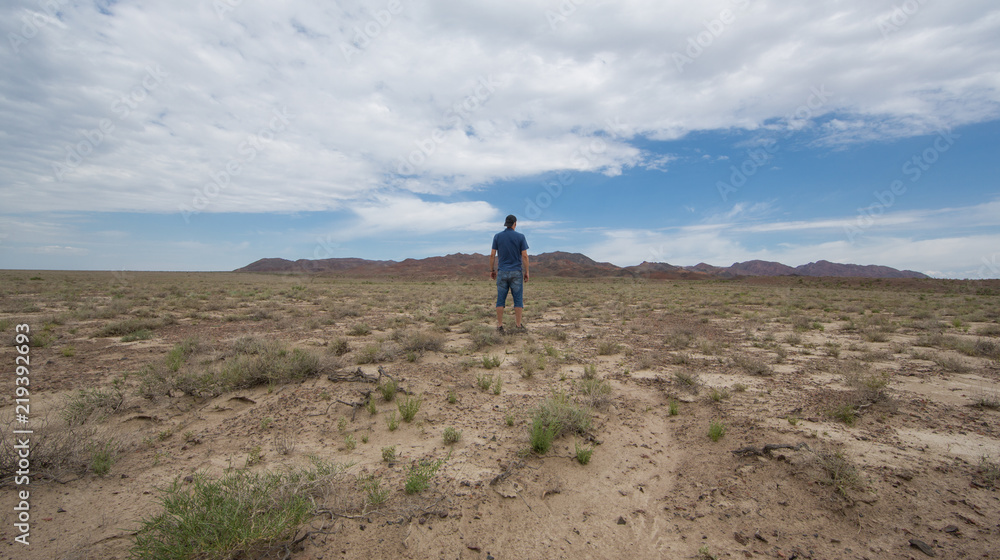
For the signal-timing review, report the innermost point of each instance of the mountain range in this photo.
(573, 265)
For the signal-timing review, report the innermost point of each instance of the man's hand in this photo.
(493, 274)
(525, 275)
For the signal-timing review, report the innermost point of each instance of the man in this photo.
(512, 249)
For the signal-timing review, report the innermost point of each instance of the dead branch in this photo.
(767, 449)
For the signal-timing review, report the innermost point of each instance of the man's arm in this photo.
(493, 258)
(524, 262)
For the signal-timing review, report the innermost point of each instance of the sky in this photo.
(207, 134)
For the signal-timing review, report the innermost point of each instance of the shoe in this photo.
(520, 329)
(500, 330)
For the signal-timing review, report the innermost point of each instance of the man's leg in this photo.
(500, 316)
(517, 290)
(503, 286)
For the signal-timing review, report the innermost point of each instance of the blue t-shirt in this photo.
(509, 244)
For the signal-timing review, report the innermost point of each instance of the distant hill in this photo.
(561, 264)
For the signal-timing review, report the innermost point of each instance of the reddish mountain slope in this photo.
(564, 264)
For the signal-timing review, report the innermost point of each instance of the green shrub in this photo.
(491, 361)
(451, 435)
(339, 346)
(102, 457)
(673, 407)
(596, 390)
(389, 453)
(583, 454)
(179, 353)
(128, 326)
(81, 406)
(608, 347)
(408, 408)
(718, 395)
(423, 341)
(360, 329)
(543, 434)
(420, 475)
(242, 514)
(143, 334)
(388, 389)
(716, 430)
(484, 381)
(483, 336)
(372, 487)
(752, 365)
(845, 413)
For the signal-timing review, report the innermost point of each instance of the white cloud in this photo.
(59, 250)
(481, 92)
(411, 214)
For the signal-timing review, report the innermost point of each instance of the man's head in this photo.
(510, 221)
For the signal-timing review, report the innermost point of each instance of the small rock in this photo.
(741, 538)
(60, 510)
(621, 520)
(922, 547)
(472, 546)
(951, 529)
(188, 478)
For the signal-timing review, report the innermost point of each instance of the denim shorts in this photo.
(512, 280)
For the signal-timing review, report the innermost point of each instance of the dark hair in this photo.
(511, 220)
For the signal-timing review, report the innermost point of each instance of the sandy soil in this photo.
(914, 465)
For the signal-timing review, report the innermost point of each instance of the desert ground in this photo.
(226, 415)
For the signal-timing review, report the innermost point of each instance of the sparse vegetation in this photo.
(408, 408)
(239, 514)
(843, 476)
(716, 430)
(360, 329)
(451, 435)
(220, 377)
(846, 413)
(420, 474)
(608, 347)
(389, 454)
(372, 487)
(752, 365)
(556, 416)
(491, 361)
(484, 381)
(388, 389)
(687, 380)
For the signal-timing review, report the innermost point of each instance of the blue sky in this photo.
(205, 135)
